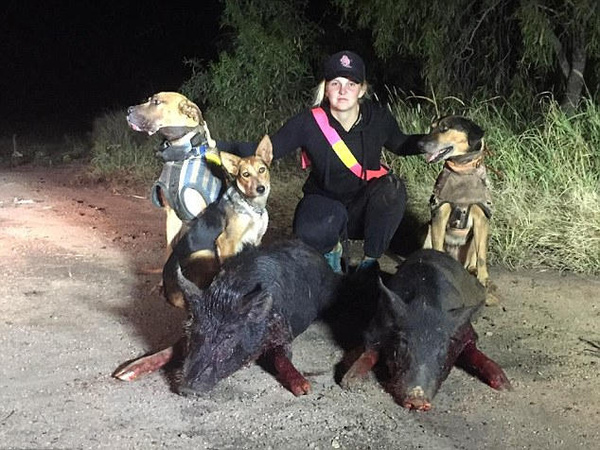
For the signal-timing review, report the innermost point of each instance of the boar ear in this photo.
(191, 292)
(463, 314)
(256, 305)
(230, 162)
(394, 304)
(261, 306)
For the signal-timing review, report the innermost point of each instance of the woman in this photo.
(347, 194)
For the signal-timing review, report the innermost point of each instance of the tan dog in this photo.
(461, 204)
(237, 219)
(180, 122)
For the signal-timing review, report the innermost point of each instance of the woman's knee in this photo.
(320, 223)
(389, 191)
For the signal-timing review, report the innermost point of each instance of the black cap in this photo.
(345, 64)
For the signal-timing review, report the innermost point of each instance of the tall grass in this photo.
(545, 178)
(120, 154)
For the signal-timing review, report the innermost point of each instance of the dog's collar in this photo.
(464, 166)
(241, 200)
(468, 162)
(196, 146)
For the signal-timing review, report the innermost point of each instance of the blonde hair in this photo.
(319, 93)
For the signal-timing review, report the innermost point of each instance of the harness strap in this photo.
(340, 148)
(197, 146)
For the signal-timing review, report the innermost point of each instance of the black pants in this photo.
(373, 215)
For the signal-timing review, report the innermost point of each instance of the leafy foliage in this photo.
(265, 77)
(491, 47)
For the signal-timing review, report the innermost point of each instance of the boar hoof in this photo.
(360, 369)
(351, 380)
(143, 365)
(299, 387)
(500, 382)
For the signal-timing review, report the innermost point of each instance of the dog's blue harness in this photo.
(186, 167)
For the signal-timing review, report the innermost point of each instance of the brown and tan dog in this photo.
(186, 148)
(461, 204)
(237, 219)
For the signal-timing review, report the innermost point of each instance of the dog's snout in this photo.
(130, 110)
(260, 189)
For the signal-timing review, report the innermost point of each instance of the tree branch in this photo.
(561, 55)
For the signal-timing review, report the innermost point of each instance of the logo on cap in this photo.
(345, 61)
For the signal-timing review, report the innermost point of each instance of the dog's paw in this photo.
(492, 297)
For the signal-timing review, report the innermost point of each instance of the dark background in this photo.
(68, 62)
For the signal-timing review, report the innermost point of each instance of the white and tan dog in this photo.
(187, 183)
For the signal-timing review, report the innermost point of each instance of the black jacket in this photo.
(375, 129)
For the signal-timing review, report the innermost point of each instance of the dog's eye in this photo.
(155, 101)
(245, 174)
(262, 170)
(443, 128)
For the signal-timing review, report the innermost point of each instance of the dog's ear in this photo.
(265, 150)
(191, 110)
(230, 163)
(475, 134)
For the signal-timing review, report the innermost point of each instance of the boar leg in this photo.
(360, 368)
(148, 364)
(287, 374)
(475, 362)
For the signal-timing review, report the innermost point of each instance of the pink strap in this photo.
(331, 135)
(304, 160)
(340, 148)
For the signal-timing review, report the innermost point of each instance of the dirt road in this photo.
(77, 300)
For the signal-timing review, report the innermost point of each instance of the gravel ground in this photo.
(79, 298)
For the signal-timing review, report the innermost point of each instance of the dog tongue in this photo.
(134, 127)
(431, 157)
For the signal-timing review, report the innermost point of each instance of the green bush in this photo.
(265, 77)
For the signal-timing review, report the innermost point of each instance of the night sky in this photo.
(68, 62)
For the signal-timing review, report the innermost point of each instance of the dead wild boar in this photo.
(422, 328)
(257, 304)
